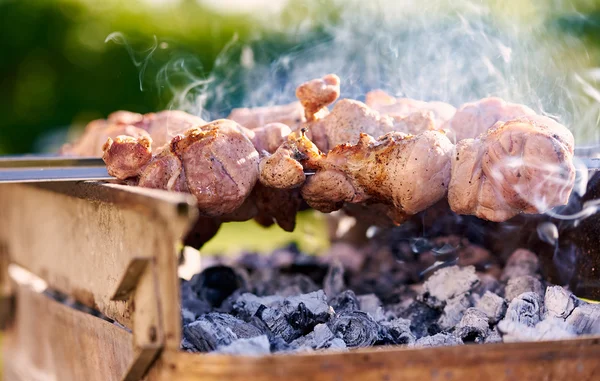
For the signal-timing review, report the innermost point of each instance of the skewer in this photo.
(33, 168)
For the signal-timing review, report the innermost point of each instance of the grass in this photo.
(311, 236)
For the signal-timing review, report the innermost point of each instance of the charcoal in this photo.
(392, 311)
(196, 306)
(371, 304)
(187, 316)
(296, 284)
(473, 327)
(356, 328)
(493, 306)
(525, 309)
(453, 311)
(487, 283)
(448, 283)
(254, 346)
(215, 329)
(521, 262)
(216, 283)
(438, 340)
(423, 319)
(559, 302)
(548, 329)
(585, 319)
(521, 284)
(253, 261)
(336, 344)
(267, 282)
(187, 346)
(396, 331)
(276, 323)
(344, 301)
(493, 336)
(247, 304)
(333, 284)
(278, 344)
(305, 311)
(321, 337)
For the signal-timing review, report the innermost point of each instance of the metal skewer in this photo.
(27, 169)
(33, 168)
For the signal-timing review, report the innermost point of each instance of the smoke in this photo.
(424, 50)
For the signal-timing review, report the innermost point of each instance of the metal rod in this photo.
(32, 168)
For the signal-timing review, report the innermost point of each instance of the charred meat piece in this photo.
(475, 118)
(216, 163)
(160, 127)
(408, 173)
(399, 108)
(291, 114)
(317, 94)
(521, 166)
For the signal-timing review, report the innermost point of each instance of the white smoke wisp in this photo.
(456, 53)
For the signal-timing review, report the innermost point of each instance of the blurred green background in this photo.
(57, 71)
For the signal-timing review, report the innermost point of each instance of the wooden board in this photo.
(560, 360)
(80, 237)
(51, 341)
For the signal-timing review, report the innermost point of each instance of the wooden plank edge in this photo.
(550, 360)
(51, 341)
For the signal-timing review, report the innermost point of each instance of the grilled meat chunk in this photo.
(407, 173)
(317, 94)
(292, 115)
(217, 163)
(399, 108)
(475, 118)
(160, 127)
(520, 166)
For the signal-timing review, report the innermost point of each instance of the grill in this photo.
(112, 251)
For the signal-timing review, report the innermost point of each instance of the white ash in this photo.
(254, 346)
(300, 303)
(549, 329)
(438, 340)
(559, 302)
(521, 284)
(448, 283)
(493, 306)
